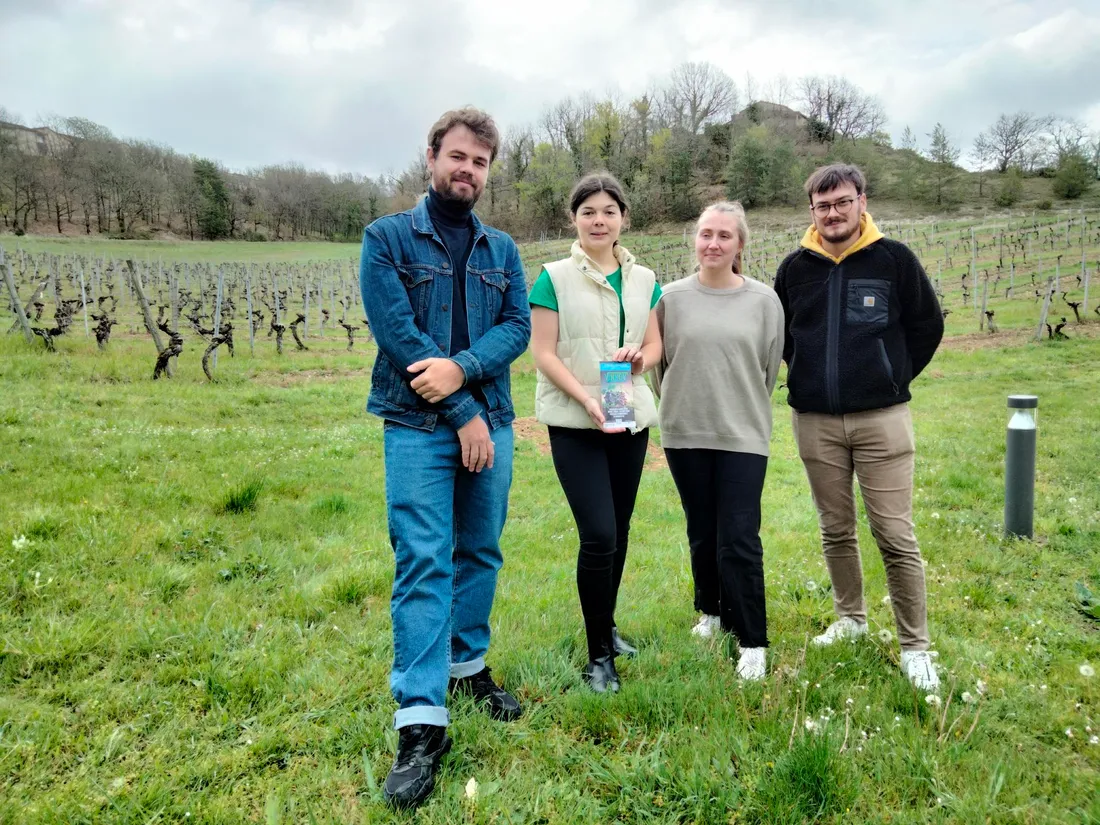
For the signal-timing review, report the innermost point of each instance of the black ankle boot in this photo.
(601, 676)
(412, 777)
(498, 703)
(620, 646)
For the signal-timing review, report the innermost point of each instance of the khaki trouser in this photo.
(878, 446)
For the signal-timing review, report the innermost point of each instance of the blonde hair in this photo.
(735, 209)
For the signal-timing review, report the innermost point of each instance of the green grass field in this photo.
(194, 625)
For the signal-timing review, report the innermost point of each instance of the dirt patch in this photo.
(655, 458)
(528, 429)
(973, 341)
(290, 379)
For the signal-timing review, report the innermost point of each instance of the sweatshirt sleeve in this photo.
(775, 351)
(920, 312)
(662, 363)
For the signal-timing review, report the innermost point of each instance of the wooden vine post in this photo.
(20, 315)
(135, 284)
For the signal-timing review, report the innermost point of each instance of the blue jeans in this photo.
(445, 524)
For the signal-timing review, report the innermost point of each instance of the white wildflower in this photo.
(810, 724)
(1072, 500)
(1087, 670)
(19, 542)
(471, 789)
(885, 636)
(933, 700)
(1042, 687)
(1094, 740)
(811, 584)
(980, 687)
(967, 697)
(849, 702)
(935, 515)
(1069, 732)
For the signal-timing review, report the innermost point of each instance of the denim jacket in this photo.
(405, 280)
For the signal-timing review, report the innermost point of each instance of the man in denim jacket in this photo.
(446, 298)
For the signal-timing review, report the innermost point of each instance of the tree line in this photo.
(696, 136)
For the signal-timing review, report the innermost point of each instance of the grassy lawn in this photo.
(194, 616)
(194, 585)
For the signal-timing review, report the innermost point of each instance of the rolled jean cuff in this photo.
(421, 715)
(460, 670)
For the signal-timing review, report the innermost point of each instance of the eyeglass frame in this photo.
(835, 205)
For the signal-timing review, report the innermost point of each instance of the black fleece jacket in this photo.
(858, 331)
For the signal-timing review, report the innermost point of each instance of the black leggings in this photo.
(599, 473)
(720, 492)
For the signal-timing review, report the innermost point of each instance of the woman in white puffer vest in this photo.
(596, 305)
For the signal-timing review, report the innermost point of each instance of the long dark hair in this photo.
(589, 185)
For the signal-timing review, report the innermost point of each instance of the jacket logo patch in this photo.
(868, 300)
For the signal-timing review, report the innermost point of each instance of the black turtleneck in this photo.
(454, 224)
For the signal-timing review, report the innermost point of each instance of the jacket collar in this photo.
(587, 265)
(868, 234)
(422, 221)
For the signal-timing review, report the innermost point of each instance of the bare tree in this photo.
(838, 108)
(982, 154)
(1012, 138)
(699, 93)
(1068, 136)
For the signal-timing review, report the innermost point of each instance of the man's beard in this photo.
(448, 192)
(847, 236)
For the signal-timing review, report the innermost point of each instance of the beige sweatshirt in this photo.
(722, 349)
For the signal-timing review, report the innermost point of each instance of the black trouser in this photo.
(720, 492)
(599, 473)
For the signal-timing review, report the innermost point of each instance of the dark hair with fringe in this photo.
(589, 185)
(828, 178)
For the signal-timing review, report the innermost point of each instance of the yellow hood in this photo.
(868, 234)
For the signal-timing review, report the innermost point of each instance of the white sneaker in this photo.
(707, 626)
(751, 664)
(843, 628)
(919, 668)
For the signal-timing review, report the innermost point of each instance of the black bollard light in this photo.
(1020, 466)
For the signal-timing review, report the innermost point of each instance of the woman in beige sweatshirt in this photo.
(723, 341)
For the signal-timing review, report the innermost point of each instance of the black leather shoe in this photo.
(601, 676)
(499, 703)
(620, 646)
(412, 777)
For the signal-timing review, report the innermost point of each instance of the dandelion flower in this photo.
(1069, 732)
(1094, 740)
(933, 700)
(980, 687)
(811, 584)
(1087, 670)
(471, 789)
(886, 599)
(885, 636)
(19, 542)
(967, 697)
(810, 724)
(935, 515)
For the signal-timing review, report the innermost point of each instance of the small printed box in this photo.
(617, 394)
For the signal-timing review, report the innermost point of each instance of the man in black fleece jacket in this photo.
(862, 321)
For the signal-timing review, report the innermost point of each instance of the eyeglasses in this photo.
(843, 207)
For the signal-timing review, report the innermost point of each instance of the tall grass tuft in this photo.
(242, 499)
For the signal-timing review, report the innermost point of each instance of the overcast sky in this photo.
(352, 85)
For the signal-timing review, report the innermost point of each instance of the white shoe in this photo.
(843, 628)
(919, 668)
(707, 626)
(751, 664)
